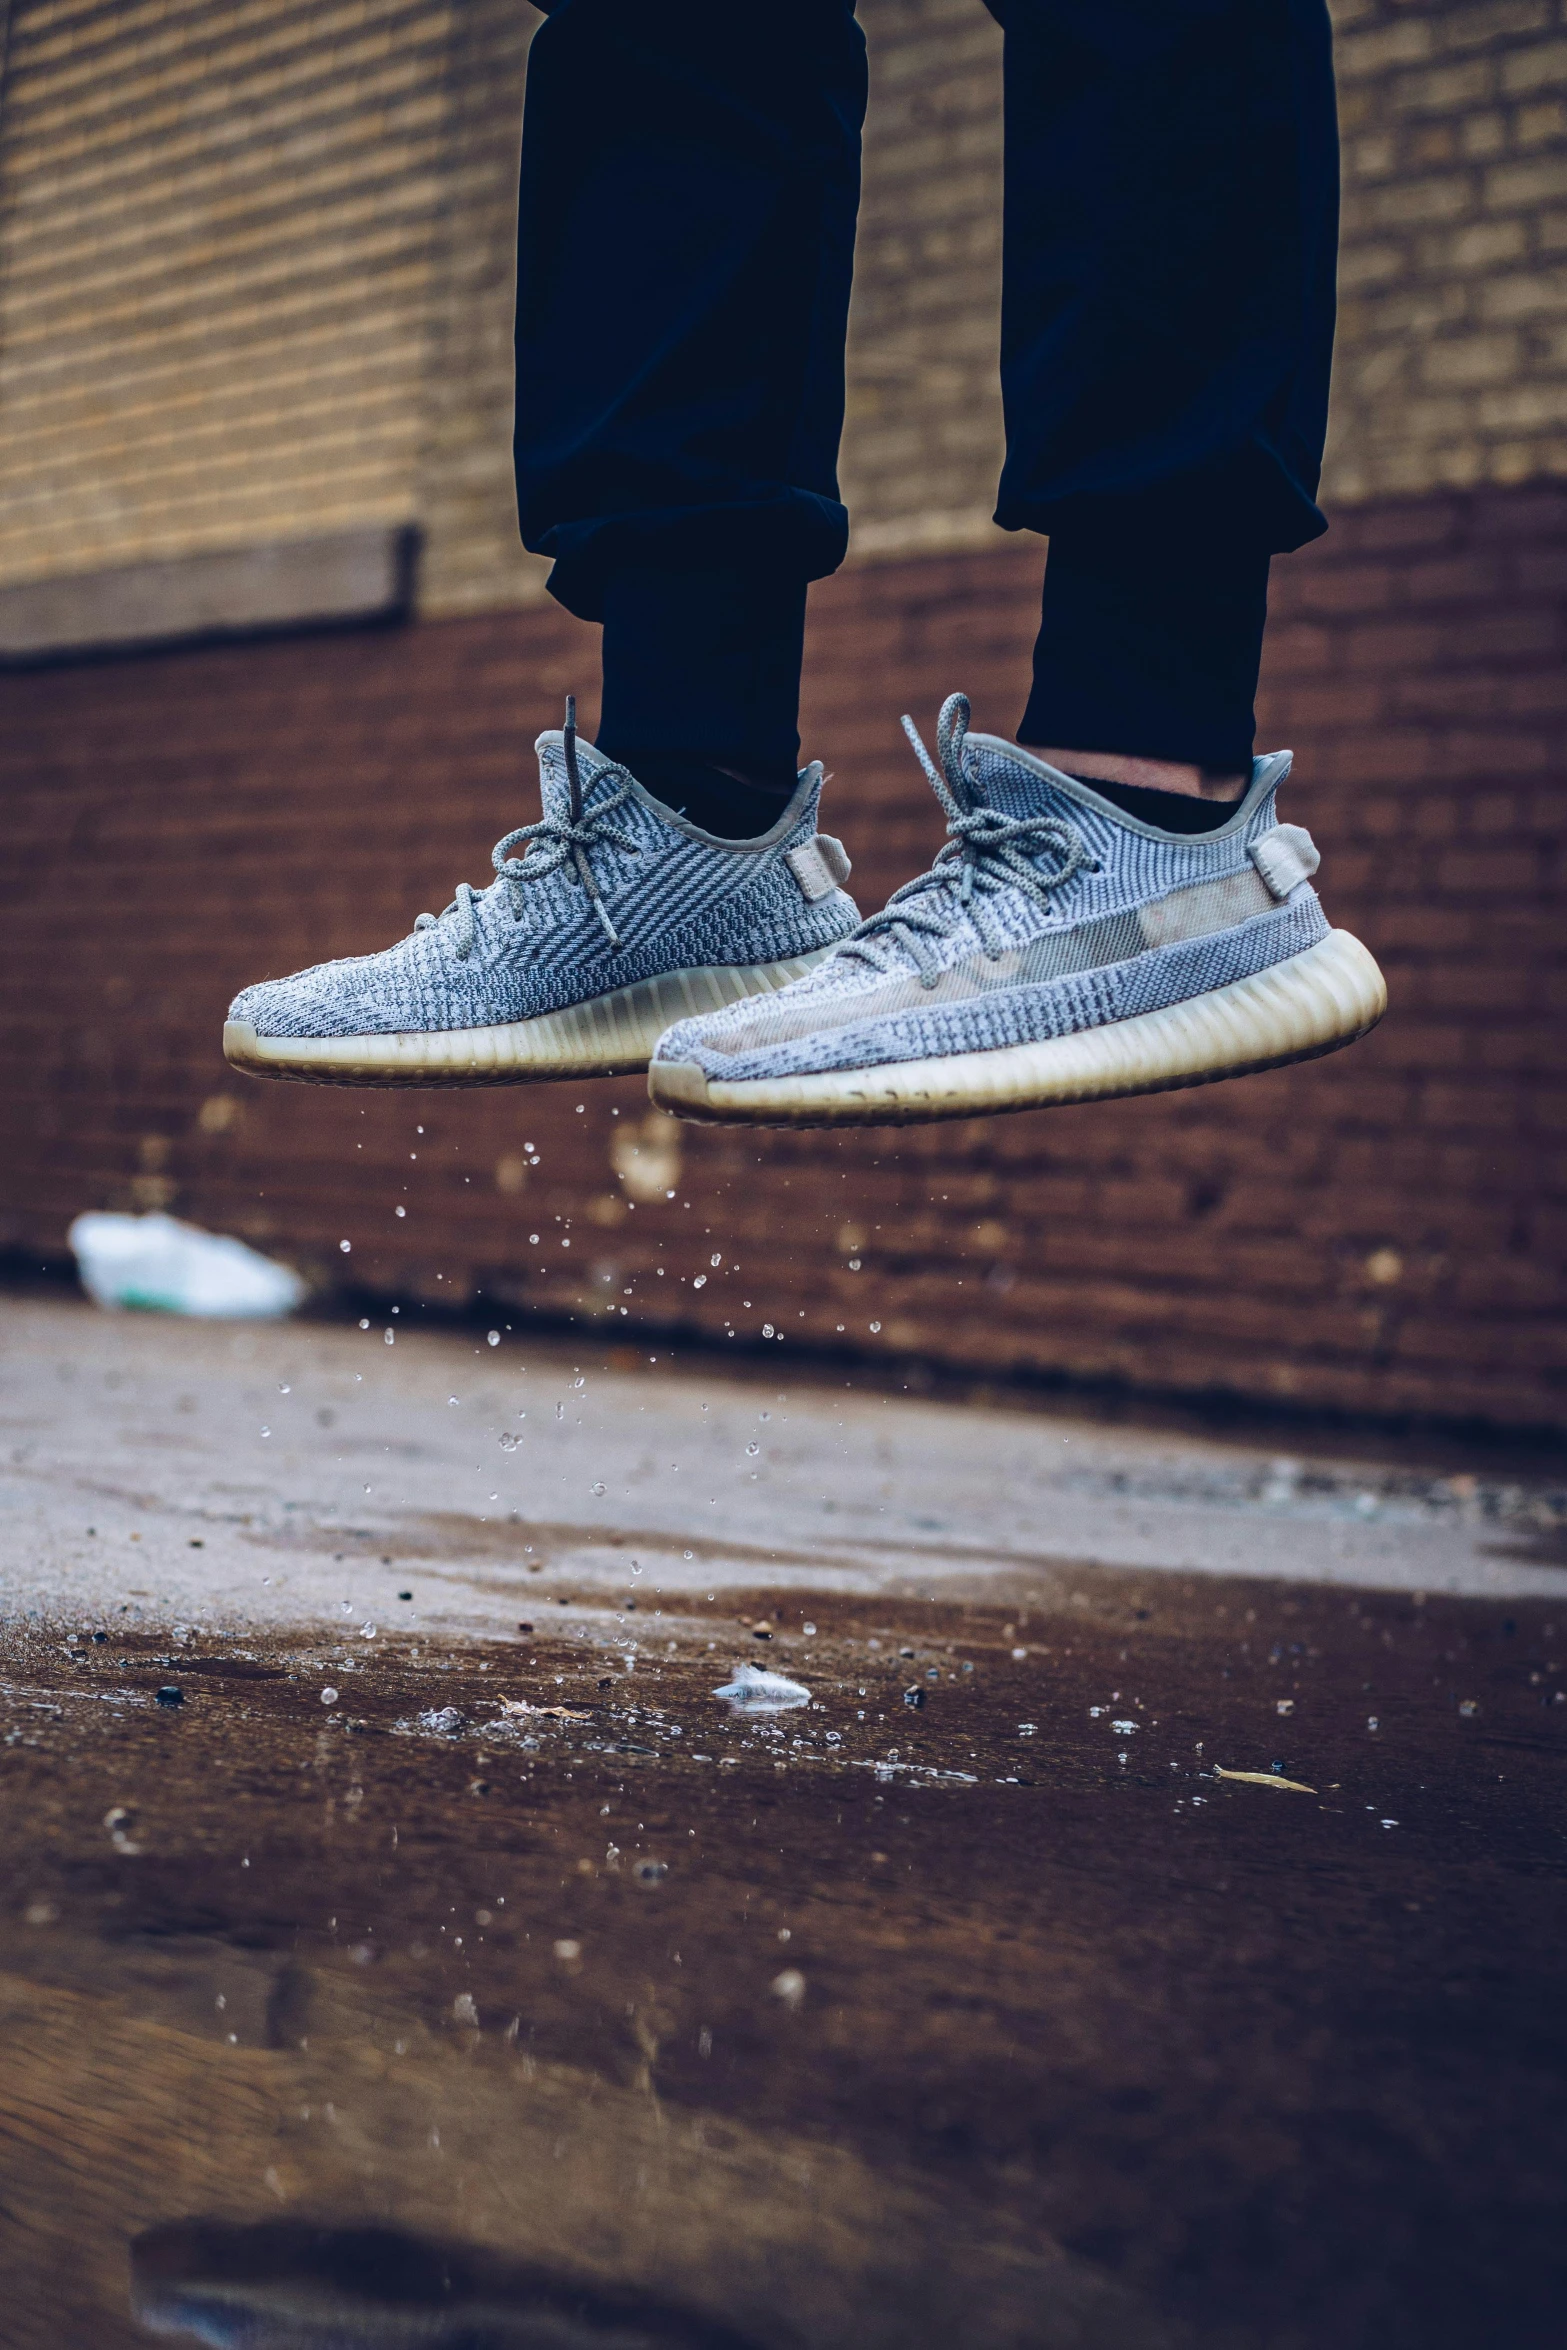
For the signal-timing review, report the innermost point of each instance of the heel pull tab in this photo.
(1285, 857)
(819, 865)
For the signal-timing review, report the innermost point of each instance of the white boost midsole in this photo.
(1309, 1004)
(602, 1037)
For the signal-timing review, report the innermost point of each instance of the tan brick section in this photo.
(1452, 356)
(467, 504)
(1381, 1231)
(922, 439)
(216, 233)
(208, 339)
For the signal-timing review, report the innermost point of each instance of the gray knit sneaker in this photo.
(618, 917)
(1057, 951)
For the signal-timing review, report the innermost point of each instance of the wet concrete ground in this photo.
(343, 2001)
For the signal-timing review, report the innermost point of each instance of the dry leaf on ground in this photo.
(1264, 1779)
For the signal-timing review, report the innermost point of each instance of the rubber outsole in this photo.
(1314, 1003)
(607, 1036)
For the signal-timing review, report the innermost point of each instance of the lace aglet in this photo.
(610, 931)
(573, 773)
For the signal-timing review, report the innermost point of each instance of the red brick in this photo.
(258, 805)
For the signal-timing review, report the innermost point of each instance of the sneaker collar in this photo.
(593, 767)
(1007, 777)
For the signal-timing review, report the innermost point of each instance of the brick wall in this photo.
(310, 322)
(1381, 1231)
(208, 339)
(1452, 358)
(922, 434)
(217, 225)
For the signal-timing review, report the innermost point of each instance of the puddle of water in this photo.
(397, 1992)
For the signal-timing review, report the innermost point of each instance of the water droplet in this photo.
(764, 1415)
(266, 1431)
(509, 1443)
(753, 1450)
(391, 1337)
(685, 1554)
(596, 1489)
(494, 1338)
(365, 1324)
(875, 1326)
(346, 1246)
(399, 1211)
(329, 1697)
(700, 1282)
(367, 1631)
(285, 1391)
(715, 1262)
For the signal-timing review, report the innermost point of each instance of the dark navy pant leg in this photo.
(1170, 240)
(690, 179)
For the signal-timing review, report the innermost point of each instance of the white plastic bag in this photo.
(166, 1267)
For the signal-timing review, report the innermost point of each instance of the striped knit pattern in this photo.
(681, 901)
(1081, 963)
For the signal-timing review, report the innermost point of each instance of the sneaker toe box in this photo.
(330, 999)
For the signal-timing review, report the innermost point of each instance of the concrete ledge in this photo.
(296, 583)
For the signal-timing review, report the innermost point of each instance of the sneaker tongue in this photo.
(1003, 782)
(554, 785)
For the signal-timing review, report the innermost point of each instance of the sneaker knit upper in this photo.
(1072, 914)
(668, 898)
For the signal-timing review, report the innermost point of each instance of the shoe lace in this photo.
(985, 851)
(548, 845)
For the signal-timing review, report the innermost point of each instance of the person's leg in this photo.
(1171, 225)
(690, 179)
(689, 182)
(1095, 925)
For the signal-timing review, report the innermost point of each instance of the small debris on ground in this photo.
(556, 1713)
(757, 1692)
